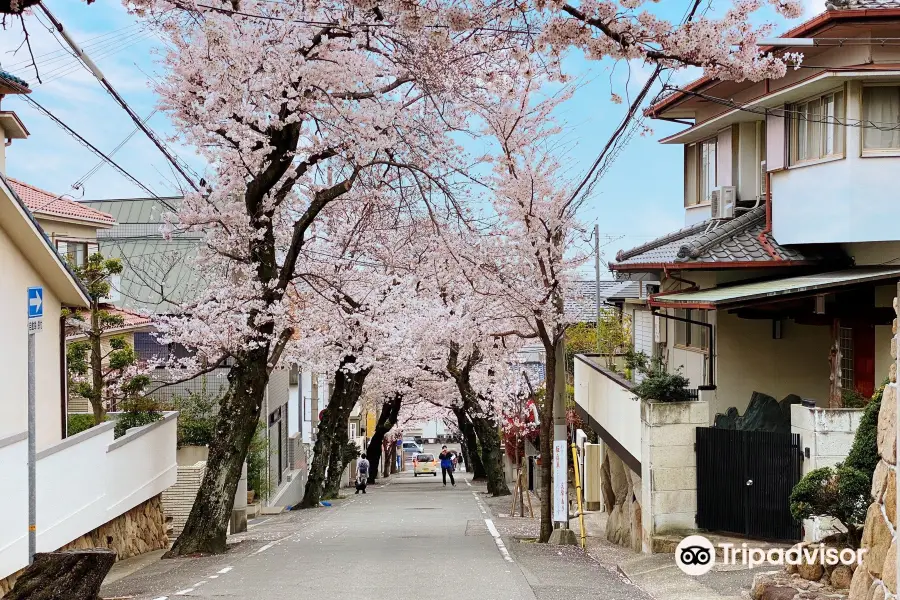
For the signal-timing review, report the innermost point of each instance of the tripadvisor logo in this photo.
(696, 555)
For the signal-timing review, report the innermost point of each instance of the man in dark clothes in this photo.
(446, 459)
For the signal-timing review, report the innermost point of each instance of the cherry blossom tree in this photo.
(297, 106)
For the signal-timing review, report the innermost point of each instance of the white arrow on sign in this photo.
(36, 302)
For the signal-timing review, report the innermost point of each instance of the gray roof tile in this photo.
(719, 241)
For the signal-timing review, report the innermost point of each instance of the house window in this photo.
(353, 435)
(848, 372)
(691, 335)
(707, 174)
(881, 113)
(817, 128)
(76, 253)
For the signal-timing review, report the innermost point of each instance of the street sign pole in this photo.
(35, 324)
(32, 495)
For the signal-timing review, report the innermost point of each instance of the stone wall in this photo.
(877, 578)
(142, 529)
(669, 467)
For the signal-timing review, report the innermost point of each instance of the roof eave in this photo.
(51, 216)
(680, 266)
(658, 110)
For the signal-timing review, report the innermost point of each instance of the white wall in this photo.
(294, 410)
(614, 407)
(749, 360)
(82, 482)
(18, 276)
(852, 199)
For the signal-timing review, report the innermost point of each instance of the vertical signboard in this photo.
(560, 483)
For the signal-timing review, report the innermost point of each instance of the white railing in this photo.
(83, 482)
(611, 406)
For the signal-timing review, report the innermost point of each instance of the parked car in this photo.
(425, 463)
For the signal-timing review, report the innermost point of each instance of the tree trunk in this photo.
(336, 460)
(546, 444)
(393, 459)
(239, 410)
(96, 398)
(464, 449)
(70, 574)
(491, 456)
(346, 392)
(386, 420)
(473, 460)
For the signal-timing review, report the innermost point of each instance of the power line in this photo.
(794, 114)
(79, 184)
(176, 164)
(90, 146)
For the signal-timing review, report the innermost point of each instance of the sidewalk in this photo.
(655, 574)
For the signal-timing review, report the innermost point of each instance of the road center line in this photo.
(184, 592)
(225, 570)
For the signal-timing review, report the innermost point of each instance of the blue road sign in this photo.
(35, 302)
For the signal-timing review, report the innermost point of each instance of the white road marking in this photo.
(199, 583)
(162, 598)
(468, 484)
(271, 544)
(184, 592)
(500, 545)
(213, 576)
(225, 570)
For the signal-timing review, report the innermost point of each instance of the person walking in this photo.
(362, 473)
(446, 459)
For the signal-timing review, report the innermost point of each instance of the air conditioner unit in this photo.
(723, 200)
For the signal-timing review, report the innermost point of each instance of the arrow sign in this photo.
(35, 302)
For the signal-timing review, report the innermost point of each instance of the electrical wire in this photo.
(793, 114)
(79, 184)
(63, 52)
(90, 146)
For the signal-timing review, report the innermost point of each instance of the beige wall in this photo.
(62, 230)
(749, 360)
(884, 297)
(18, 275)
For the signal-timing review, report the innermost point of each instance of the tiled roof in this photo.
(131, 320)
(861, 4)
(42, 202)
(719, 242)
(14, 82)
(581, 297)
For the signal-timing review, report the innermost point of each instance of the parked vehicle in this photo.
(425, 464)
(411, 447)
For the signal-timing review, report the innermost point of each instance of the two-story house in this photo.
(781, 280)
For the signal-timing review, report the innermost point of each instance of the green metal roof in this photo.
(761, 290)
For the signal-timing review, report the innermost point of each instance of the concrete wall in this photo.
(612, 404)
(82, 482)
(827, 434)
(18, 275)
(748, 360)
(669, 467)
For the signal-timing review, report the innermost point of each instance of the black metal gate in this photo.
(744, 482)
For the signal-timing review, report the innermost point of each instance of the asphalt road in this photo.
(409, 539)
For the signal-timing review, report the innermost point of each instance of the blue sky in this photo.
(639, 198)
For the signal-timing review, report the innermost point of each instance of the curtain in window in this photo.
(881, 108)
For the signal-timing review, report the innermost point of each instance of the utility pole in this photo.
(597, 278)
(96, 72)
(314, 407)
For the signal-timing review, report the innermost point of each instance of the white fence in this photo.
(609, 401)
(83, 482)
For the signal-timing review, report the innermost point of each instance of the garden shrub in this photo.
(844, 492)
(256, 463)
(78, 422)
(196, 419)
(137, 412)
(658, 384)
